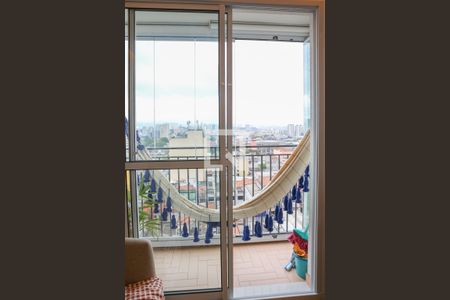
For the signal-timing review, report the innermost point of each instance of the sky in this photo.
(180, 80)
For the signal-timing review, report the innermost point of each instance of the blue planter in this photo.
(301, 265)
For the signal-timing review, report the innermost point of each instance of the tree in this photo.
(151, 225)
(147, 141)
(162, 142)
(263, 166)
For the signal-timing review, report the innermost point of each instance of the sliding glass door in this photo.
(272, 161)
(175, 169)
(222, 163)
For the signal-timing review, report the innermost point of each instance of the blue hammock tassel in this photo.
(173, 222)
(160, 195)
(261, 214)
(289, 210)
(185, 230)
(153, 186)
(307, 171)
(211, 234)
(208, 234)
(138, 138)
(300, 183)
(277, 209)
(266, 221)
(246, 235)
(196, 239)
(306, 185)
(147, 176)
(294, 192)
(258, 229)
(285, 202)
(299, 196)
(209, 230)
(164, 214)
(169, 204)
(270, 224)
(280, 217)
(156, 208)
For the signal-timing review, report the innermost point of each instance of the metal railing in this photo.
(253, 168)
(163, 153)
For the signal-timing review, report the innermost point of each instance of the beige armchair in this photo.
(139, 260)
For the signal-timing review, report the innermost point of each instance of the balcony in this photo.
(254, 167)
(255, 265)
(184, 264)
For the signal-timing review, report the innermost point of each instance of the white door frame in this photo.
(225, 123)
(153, 165)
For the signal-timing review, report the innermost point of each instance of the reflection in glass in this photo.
(187, 251)
(177, 93)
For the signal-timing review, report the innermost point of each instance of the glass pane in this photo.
(172, 207)
(126, 87)
(177, 91)
(271, 117)
(128, 219)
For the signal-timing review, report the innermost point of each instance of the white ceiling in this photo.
(247, 24)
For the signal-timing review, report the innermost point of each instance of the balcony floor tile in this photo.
(258, 264)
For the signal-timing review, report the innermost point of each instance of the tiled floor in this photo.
(199, 267)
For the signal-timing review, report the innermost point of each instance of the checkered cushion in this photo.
(150, 289)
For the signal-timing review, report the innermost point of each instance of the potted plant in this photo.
(147, 221)
(299, 239)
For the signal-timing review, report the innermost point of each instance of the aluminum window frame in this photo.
(317, 165)
(132, 165)
(317, 127)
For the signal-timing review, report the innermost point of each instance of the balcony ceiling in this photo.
(247, 24)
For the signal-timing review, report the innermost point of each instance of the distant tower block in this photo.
(193, 145)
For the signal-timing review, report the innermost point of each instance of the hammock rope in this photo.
(281, 184)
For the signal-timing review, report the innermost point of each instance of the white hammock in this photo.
(277, 188)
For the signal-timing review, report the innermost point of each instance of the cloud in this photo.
(267, 87)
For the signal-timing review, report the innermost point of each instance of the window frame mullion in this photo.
(132, 118)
